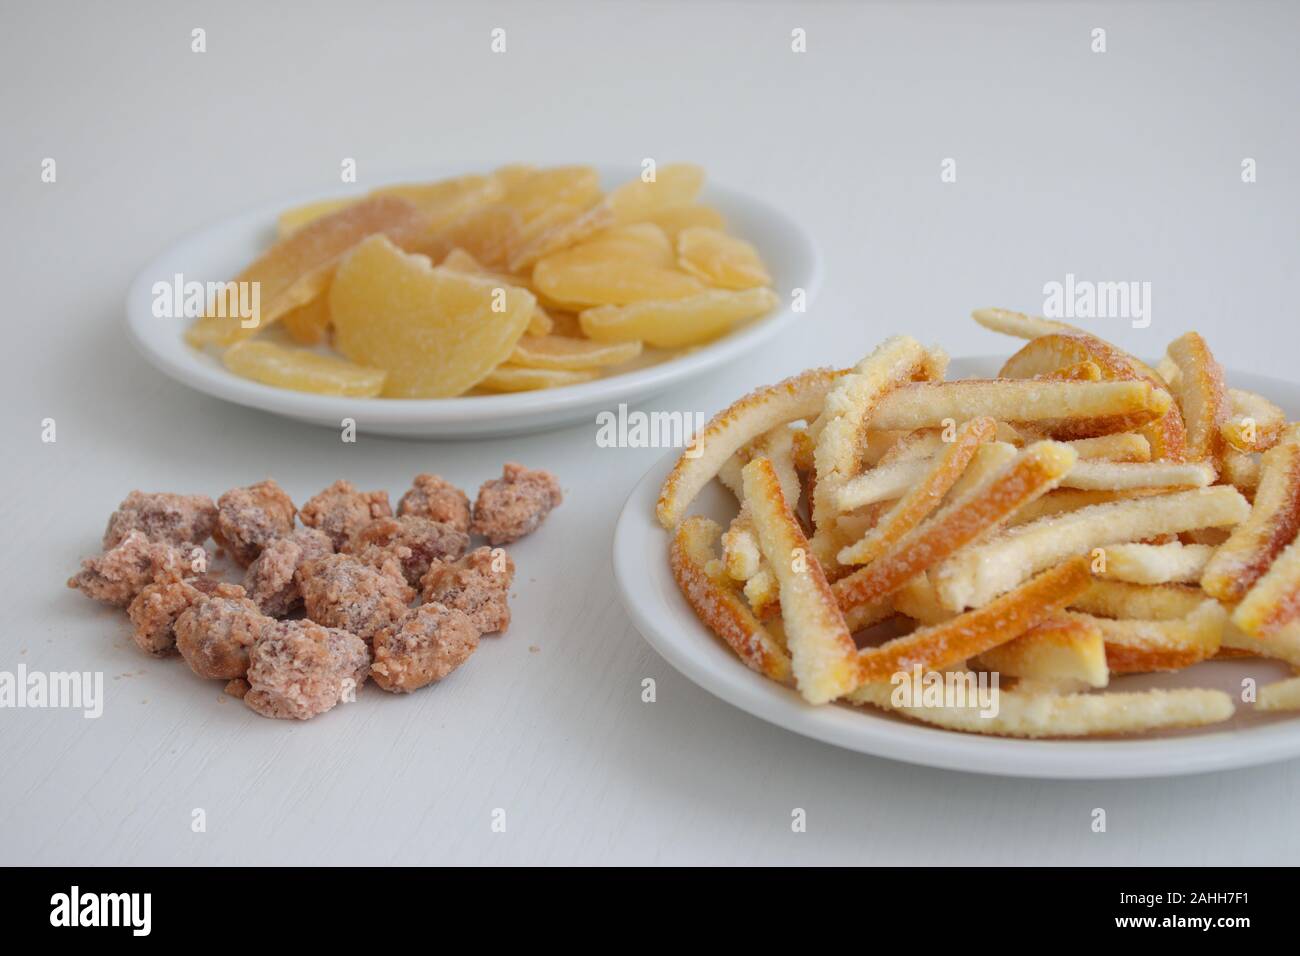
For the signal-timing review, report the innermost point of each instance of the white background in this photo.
(1116, 166)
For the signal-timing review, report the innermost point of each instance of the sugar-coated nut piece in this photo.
(341, 511)
(426, 646)
(514, 505)
(478, 585)
(162, 517)
(156, 608)
(433, 497)
(214, 635)
(270, 580)
(237, 688)
(341, 591)
(414, 542)
(248, 519)
(299, 669)
(120, 573)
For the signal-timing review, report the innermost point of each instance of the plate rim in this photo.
(520, 410)
(637, 534)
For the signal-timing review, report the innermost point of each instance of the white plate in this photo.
(218, 252)
(668, 623)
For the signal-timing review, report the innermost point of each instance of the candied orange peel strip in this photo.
(800, 396)
(1019, 324)
(718, 604)
(924, 497)
(1274, 601)
(1056, 353)
(1035, 470)
(1201, 395)
(849, 406)
(1125, 475)
(1172, 563)
(822, 651)
(1063, 409)
(1153, 602)
(1254, 424)
(1136, 646)
(1063, 648)
(1036, 714)
(1273, 523)
(962, 637)
(1280, 695)
(1124, 446)
(977, 574)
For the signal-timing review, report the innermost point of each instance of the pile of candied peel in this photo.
(324, 606)
(1080, 517)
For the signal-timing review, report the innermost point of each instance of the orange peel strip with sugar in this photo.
(1034, 471)
(1273, 523)
(822, 651)
(1001, 620)
(800, 396)
(718, 604)
(924, 497)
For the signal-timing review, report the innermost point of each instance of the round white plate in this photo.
(218, 252)
(668, 623)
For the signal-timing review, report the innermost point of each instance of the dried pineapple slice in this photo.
(643, 241)
(673, 219)
(309, 324)
(293, 219)
(458, 260)
(680, 322)
(515, 378)
(539, 191)
(301, 370)
(570, 230)
(441, 201)
(434, 330)
(297, 269)
(488, 233)
(721, 260)
(446, 200)
(562, 352)
(674, 184)
(599, 273)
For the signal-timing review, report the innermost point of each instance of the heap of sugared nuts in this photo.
(356, 592)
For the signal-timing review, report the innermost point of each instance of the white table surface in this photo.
(1115, 166)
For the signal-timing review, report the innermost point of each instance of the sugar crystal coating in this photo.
(162, 517)
(515, 504)
(341, 591)
(248, 519)
(414, 542)
(156, 608)
(424, 647)
(478, 585)
(120, 573)
(341, 511)
(433, 497)
(270, 580)
(299, 669)
(215, 634)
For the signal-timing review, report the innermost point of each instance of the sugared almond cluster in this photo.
(324, 606)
